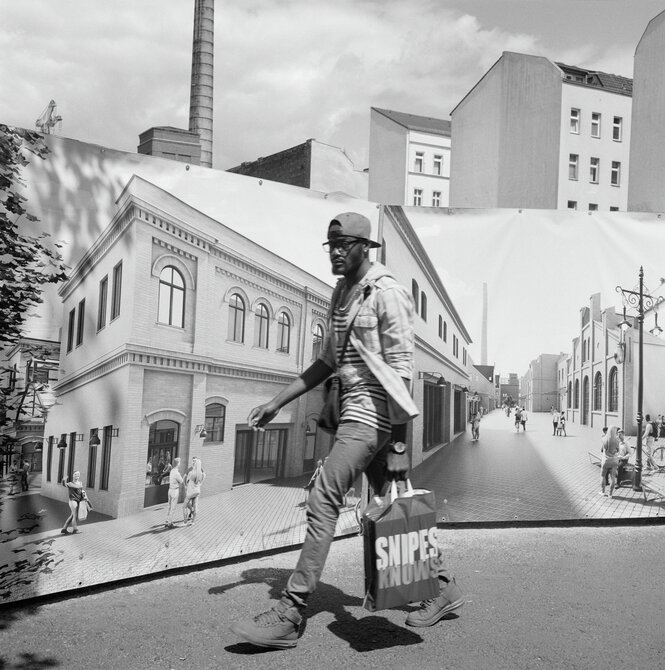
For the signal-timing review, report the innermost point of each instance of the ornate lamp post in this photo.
(641, 301)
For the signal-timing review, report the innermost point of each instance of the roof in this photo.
(610, 82)
(486, 371)
(425, 124)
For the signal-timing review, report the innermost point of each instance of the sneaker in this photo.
(277, 628)
(450, 598)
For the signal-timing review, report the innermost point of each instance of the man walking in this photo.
(369, 345)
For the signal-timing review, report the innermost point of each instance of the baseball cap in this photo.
(353, 225)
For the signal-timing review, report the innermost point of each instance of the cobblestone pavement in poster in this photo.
(506, 477)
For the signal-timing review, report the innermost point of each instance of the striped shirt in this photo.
(363, 398)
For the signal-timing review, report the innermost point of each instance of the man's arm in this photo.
(313, 376)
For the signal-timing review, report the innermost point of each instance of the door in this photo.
(259, 455)
(162, 449)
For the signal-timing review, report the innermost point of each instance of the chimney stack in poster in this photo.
(483, 343)
(201, 92)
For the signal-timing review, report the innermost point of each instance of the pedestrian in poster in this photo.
(623, 457)
(475, 427)
(561, 426)
(523, 419)
(555, 419)
(648, 437)
(609, 461)
(518, 418)
(25, 471)
(175, 482)
(75, 489)
(193, 480)
(375, 371)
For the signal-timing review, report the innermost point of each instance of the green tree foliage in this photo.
(27, 261)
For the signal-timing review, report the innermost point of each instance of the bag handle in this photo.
(393, 490)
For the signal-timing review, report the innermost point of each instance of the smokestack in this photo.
(483, 343)
(200, 98)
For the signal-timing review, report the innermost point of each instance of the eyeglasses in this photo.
(343, 245)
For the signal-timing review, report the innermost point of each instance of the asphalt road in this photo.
(572, 598)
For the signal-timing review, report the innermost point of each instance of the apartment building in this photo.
(647, 158)
(409, 159)
(539, 384)
(537, 134)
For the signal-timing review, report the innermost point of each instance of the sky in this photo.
(285, 70)
(289, 70)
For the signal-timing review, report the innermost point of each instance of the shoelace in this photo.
(269, 617)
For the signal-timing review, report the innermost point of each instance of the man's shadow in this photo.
(362, 634)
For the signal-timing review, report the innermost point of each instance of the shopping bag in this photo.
(82, 510)
(400, 549)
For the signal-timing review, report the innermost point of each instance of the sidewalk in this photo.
(505, 478)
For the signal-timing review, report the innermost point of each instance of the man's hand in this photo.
(397, 464)
(262, 415)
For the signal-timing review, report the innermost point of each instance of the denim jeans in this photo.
(357, 448)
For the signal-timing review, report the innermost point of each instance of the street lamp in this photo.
(641, 301)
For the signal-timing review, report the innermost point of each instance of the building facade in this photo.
(313, 165)
(539, 384)
(598, 378)
(409, 159)
(647, 160)
(537, 134)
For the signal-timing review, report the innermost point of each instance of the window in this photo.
(613, 391)
(418, 166)
(614, 209)
(433, 415)
(417, 197)
(440, 326)
(117, 286)
(438, 163)
(80, 322)
(171, 310)
(595, 124)
(463, 355)
(283, 332)
(572, 204)
(575, 121)
(261, 325)
(455, 347)
(214, 422)
(106, 458)
(569, 394)
(573, 160)
(101, 303)
(594, 166)
(317, 341)
(415, 293)
(576, 397)
(236, 319)
(61, 458)
(70, 330)
(423, 306)
(92, 460)
(49, 457)
(71, 456)
(597, 392)
(617, 129)
(445, 331)
(593, 207)
(436, 199)
(615, 175)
